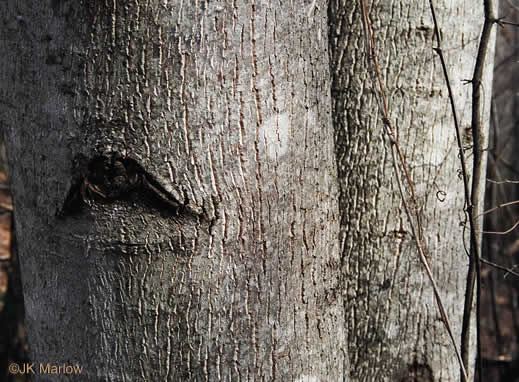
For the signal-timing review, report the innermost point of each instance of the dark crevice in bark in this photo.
(107, 179)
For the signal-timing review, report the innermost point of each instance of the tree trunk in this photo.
(175, 191)
(394, 327)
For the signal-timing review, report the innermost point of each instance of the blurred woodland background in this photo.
(500, 300)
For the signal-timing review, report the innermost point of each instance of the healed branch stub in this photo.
(217, 109)
(108, 179)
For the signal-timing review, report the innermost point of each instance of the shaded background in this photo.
(13, 343)
(500, 300)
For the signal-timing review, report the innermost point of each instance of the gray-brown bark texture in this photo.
(174, 181)
(394, 326)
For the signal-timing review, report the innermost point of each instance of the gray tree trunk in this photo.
(175, 188)
(394, 326)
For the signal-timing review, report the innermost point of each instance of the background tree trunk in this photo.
(174, 184)
(394, 327)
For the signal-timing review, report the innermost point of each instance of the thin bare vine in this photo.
(497, 266)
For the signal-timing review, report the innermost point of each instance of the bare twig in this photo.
(502, 232)
(507, 270)
(497, 207)
(505, 181)
(398, 162)
(502, 23)
(512, 5)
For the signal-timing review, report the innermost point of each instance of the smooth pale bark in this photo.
(394, 327)
(227, 106)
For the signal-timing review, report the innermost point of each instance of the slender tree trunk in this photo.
(394, 326)
(174, 182)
